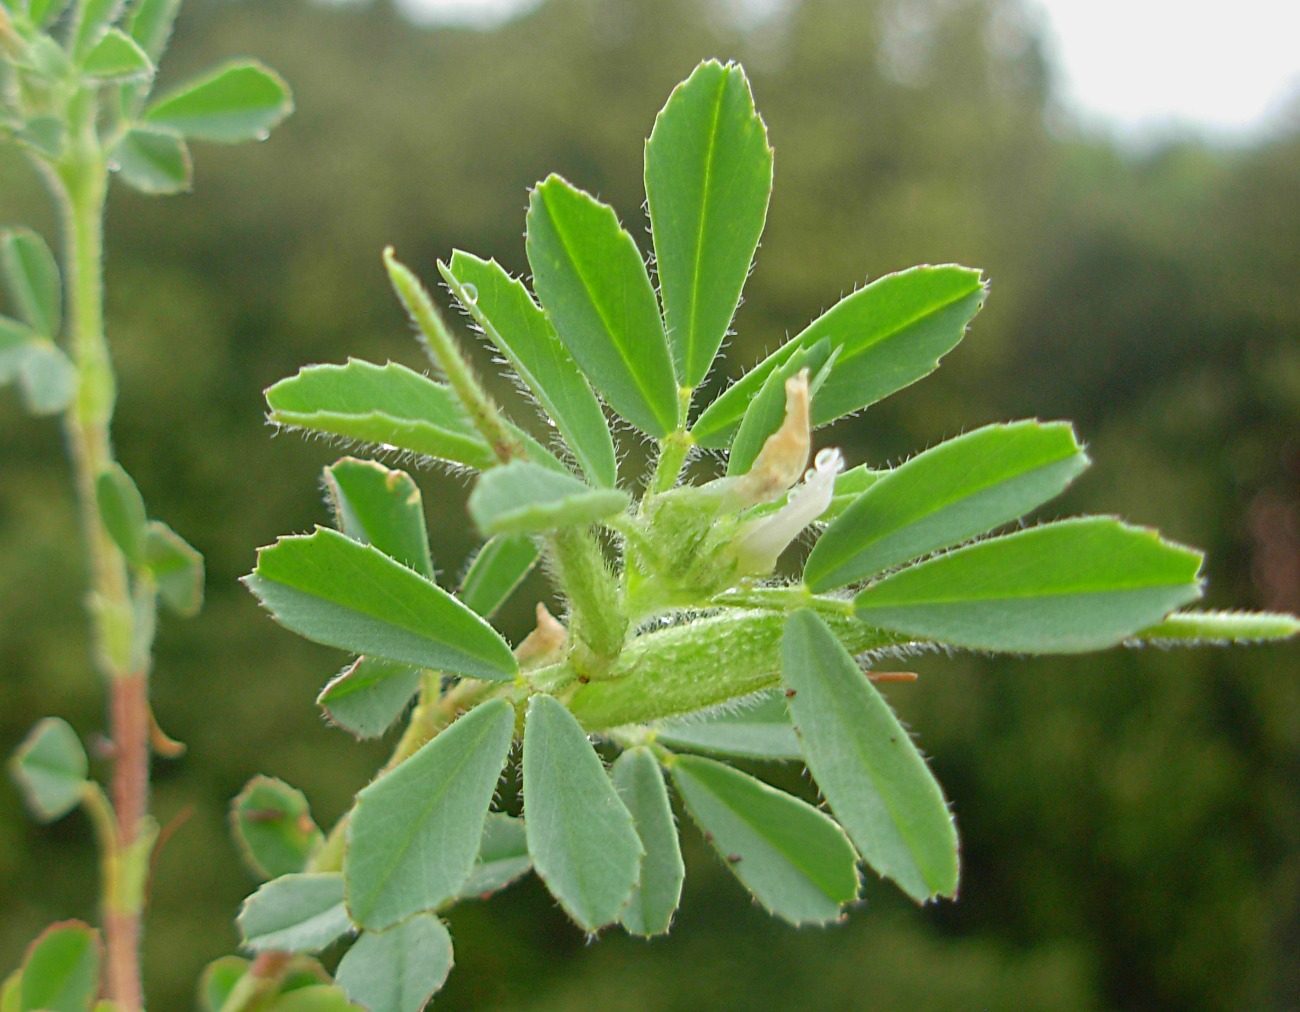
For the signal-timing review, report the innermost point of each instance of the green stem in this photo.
(673, 449)
(443, 351)
(702, 663)
(597, 620)
(83, 177)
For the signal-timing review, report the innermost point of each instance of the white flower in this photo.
(760, 542)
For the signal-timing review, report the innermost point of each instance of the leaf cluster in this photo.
(682, 643)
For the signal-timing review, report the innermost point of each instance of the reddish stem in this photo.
(129, 714)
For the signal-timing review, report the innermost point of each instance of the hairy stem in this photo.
(84, 179)
(702, 663)
(442, 350)
(597, 620)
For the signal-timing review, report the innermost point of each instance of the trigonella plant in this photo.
(676, 647)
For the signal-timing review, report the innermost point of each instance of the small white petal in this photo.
(760, 543)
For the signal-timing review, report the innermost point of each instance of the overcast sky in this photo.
(1225, 67)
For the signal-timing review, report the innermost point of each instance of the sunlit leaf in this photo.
(336, 591)
(235, 103)
(526, 498)
(519, 329)
(117, 57)
(581, 836)
(889, 335)
(865, 764)
(941, 497)
(794, 860)
(590, 277)
(708, 176)
(1066, 587)
(379, 507)
(416, 831)
(388, 406)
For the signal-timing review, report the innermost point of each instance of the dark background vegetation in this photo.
(1130, 820)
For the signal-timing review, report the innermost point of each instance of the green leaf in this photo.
(865, 764)
(335, 591)
(1066, 587)
(581, 836)
(708, 177)
(766, 412)
(592, 281)
(890, 334)
(388, 406)
(150, 24)
(1193, 627)
(398, 970)
(15, 338)
(47, 377)
(502, 857)
(42, 12)
(640, 784)
(757, 728)
(366, 697)
(498, 568)
(415, 832)
(794, 860)
(44, 135)
(218, 981)
(273, 827)
(295, 913)
(11, 992)
(154, 161)
(848, 486)
(50, 768)
(317, 998)
(92, 22)
(519, 329)
(235, 103)
(379, 507)
(61, 970)
(122, 512)
(31, 277)
(945, 495)
(117, 57)
(526, 498)
(176, 566)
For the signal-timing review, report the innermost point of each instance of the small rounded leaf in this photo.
(61, 971)
(398, 970)
(235, 103)
(50, 767)
(273, 826)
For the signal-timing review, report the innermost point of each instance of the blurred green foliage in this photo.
(1130, 821)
